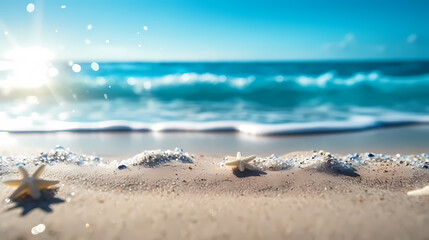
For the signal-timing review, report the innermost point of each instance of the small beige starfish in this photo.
(419, 192)
(241, 162)
(29, 184)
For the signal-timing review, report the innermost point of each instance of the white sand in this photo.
(203, 201)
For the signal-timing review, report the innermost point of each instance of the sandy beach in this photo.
(201, 200)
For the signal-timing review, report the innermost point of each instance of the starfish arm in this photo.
(38, 173)
(249, 166)
(241, 166)
(232, 163)
(18, 191)
(12, 183)
(249, 158)
(23, 172)
(34, 191)
(238, 155)
(42, 184)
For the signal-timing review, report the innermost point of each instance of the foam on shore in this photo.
(351, 124)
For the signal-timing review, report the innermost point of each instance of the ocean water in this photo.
(260, 98)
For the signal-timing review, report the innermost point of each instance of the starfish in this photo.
(419, 192)
(241, 162)
(29, 184)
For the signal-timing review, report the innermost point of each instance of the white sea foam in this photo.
(351, 124)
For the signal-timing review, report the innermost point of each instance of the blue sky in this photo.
(214, 30)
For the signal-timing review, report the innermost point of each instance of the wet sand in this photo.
(411, 139)
(200, 200)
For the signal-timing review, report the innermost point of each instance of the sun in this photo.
(31, 67)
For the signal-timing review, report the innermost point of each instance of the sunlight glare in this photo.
(5, 65)
(30, 66)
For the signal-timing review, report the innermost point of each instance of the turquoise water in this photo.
(256, 98)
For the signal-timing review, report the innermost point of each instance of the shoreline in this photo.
(400, 139)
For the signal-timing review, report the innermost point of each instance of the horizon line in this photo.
(251, 61)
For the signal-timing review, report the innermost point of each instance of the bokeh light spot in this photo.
(31, 7)
(95, 66)
(76, 68)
